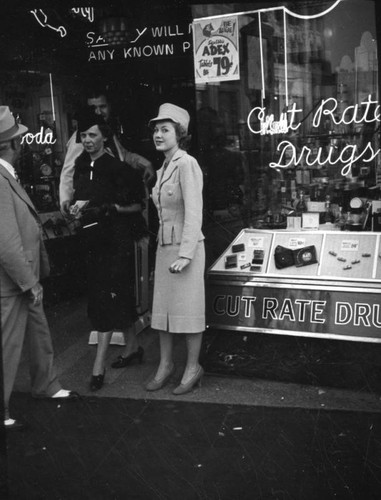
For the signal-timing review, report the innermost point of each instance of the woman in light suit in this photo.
(179, 295)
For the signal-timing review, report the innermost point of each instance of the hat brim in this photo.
(13, 132)
(162, 119)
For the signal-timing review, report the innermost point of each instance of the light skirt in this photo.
(179, 299)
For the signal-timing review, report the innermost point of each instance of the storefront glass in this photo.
(54, 57)
(288, 115)
(284, 110)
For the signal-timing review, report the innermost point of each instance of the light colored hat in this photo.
(174, 113)
(9, 128)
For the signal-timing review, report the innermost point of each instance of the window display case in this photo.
(299, 130)
(323, 284)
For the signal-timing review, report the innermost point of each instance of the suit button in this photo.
(170, 193)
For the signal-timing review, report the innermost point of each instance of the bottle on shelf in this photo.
(283, 193)
(340, 219)
(269, 219)
(301, 205)
(328, 217)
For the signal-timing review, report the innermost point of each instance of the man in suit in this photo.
(23, 262)
(99, 101)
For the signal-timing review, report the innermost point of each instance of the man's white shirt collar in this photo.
(8, 167)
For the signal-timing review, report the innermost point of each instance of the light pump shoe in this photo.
(188, 387)
(155, 385)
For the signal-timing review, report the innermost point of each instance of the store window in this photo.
(139, 56)
(66, 53)
(288, 116)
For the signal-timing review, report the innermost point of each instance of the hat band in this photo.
(9, 133)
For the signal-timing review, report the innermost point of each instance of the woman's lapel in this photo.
(168, 172)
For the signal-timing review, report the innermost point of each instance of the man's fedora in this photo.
(9, 128)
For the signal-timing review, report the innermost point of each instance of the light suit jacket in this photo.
(23, 257)
(74, 149)
(178, 199)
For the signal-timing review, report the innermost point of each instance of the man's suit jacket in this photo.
(23, 257)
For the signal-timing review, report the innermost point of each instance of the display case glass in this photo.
(333, 255)
(322, 284)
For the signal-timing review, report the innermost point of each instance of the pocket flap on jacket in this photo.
(28, 255)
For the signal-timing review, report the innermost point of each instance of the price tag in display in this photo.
(216, 50)
(350, 245)
(255, 242)
(296, 242)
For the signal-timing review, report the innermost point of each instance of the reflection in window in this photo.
(302, 118)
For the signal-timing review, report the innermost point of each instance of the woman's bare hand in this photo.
(179, 265)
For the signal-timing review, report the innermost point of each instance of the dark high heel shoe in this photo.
(96, 381)
(122, 362)
(185, 388)
(155, 385)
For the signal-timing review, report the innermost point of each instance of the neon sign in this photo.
(43, 137)
(86, 12)
(42, 20)
(347, 156)
(268, 125)
(368, 111)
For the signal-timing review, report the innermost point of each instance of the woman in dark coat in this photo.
(108, 202)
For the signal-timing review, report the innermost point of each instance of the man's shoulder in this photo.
(72, 143)
(4, 175)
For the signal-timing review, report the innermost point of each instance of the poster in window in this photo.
(216, 49)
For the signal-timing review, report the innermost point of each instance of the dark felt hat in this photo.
(87, 118)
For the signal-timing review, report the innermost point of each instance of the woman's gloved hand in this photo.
(107, 209)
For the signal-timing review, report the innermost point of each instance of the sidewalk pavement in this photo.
(74, 359)
(233, 439)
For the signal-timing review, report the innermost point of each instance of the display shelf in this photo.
(250, 245)
(305, 293)
(349, 254)
(342, 255)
